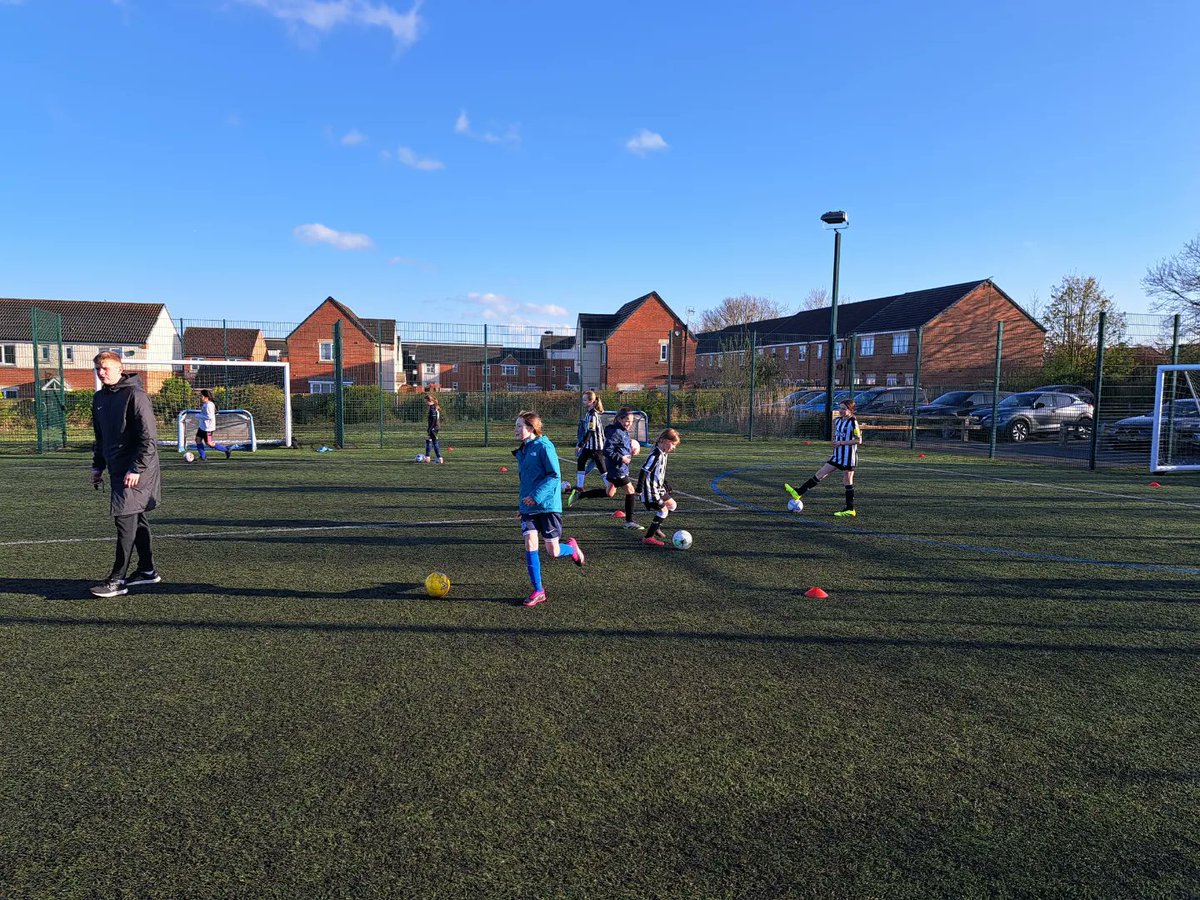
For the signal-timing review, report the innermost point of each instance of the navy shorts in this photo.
(619, 480)
(548, 525)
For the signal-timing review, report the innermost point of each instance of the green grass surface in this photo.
(998, 698)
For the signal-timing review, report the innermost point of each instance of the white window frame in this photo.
(8, 355)
(46, 352)
(837, 348)
(321, 353)
(10, 393)
(866, 346)
(786, 352)
(821, 350)
(662, 351)
(532, 370)
(869, 378)
(454, 385)
(900, 344)
(429, 368)
(508, 371)
(892, 380)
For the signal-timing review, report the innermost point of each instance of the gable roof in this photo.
(898, 312)
(361, 324)
(83, 321)
(199, 340)
(598, 327)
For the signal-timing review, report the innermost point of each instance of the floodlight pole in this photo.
(832, 362)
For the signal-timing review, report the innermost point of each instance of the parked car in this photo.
(797, 397)
(888, 401)
(815, 406)
(1030, 413)
(1137, 430)
(959, 403)
(1083, 393)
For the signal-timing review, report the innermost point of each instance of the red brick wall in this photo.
(960, 344)
(360, 356)
(633, 354)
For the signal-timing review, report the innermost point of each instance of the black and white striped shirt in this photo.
(591, 435)
(652, 482)
(846, 429)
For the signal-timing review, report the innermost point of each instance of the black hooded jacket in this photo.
(127, 441)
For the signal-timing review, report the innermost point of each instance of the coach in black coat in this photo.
(127, 446)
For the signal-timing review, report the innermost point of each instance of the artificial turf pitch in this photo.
(999, 696)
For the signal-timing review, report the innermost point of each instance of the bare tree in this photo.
(817, 298)
(1072, 320)
(1175, 284)
(739, 310)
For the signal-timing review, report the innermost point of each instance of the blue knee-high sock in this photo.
(565, 550)
(427, 447)
(437, 451)
(534, 563)
(200, 450)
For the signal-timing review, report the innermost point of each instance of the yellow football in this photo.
(437, 584)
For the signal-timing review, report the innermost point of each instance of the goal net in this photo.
(253, 400)
(639, 428)
(1175, 438)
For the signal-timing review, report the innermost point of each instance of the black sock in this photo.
(655, 527)
(629, 507)
(592, 492)
(808, 486)
(849, 496)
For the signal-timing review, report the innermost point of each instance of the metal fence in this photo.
(360, 382)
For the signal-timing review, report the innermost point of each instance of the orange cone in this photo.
(920, 456)
(816, 593)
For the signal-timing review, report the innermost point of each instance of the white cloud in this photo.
(506, 311)
(510, 135)
(645, 142)
(423, 163)
(325, 15)
(353, 138)
(343, 240)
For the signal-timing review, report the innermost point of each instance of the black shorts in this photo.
(585, 455)
(203, 437)
(656, 505)
(619, 480)
(548, 525)
(839, 466)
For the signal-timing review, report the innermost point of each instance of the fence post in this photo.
(339, 409)
(487, 379)
(912, 428)
(379, 375)
(39, 409)
(852, 362)
(225, 355)
(753, 379)
(1096, 386)
(1169, 399)
(996, 389)
(669, 349)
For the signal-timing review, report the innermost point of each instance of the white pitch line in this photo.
(1056, 487)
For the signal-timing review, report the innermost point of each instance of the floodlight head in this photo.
(836, 217)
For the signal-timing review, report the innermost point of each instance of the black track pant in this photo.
(132, 531)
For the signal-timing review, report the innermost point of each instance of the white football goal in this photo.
(1175, 437)
(254, 400)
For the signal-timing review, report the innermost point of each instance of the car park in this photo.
(1032, 413)
(1083, 393)
(958, 403)
(1135, 431)
(888, 401)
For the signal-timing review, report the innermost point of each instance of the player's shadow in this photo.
(76, 589)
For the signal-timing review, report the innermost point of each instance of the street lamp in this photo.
(837, 220)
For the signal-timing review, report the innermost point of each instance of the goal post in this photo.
(260, 391)
(1175, 435)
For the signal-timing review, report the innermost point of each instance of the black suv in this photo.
(887, 401)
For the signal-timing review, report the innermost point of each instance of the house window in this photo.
(908, 379)
(899, 344)
(892, 380)
(70, 354)
(837, 348)
(662, 351)
(429, 368)
(454, 367)
(11, 393)
(532, 370)
(508, 370)
(487, 370)
(802, 352)
(272, 356)
(326, 348)
(866, 347)
(869, 378)
(8, 355)
(320, 387)
(454, 385)
(785, 352)
(45, 351)
(820, 351)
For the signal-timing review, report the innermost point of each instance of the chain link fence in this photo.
(360, 382)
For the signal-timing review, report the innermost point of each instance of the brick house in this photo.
(137, 331)
(958, 332)
(367, 344)
(630, 349)
(460, 367)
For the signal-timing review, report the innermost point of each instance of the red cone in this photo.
(449, 449)
(816, 593)
(619, 514)
(504, 468)
(807, 443)
(920, 456)
(1155, 484)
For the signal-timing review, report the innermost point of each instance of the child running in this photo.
(846, 438)
(540, 502)
(618, 453)
(207, 426)
(589, 443)
(432, 450)
(653, 485)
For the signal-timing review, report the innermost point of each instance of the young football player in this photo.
(434, 424)
(207, 426)
(654, 487)
(847, 437)
(540, 501)
(618, 453)
(589, 443)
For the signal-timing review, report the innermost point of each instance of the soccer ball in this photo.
(682, 540)
(796, 505)
(634, 448)
(437, 584)
(189, 456)
(420, 457)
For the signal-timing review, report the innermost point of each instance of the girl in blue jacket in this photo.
(540, 501)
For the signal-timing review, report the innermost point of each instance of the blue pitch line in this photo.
(913, 539)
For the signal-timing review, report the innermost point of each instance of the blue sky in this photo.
(521, 162)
